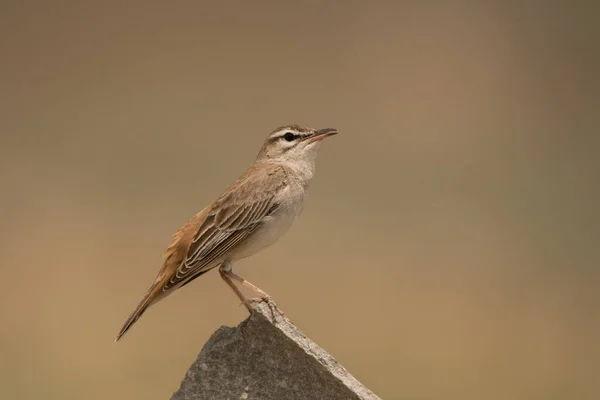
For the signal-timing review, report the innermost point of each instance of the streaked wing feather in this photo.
(187, 271)
(233, 217)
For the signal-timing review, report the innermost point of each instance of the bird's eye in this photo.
(289, 136)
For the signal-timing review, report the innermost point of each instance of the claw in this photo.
(265, 299)
(253, 301)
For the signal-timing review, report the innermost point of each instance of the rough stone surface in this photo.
(262, 359)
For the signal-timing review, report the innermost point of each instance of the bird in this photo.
(250, 215)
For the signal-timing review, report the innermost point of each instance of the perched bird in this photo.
(255, 211)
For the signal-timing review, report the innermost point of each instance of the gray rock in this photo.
(262, 359)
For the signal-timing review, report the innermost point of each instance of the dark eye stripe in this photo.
(297, 135)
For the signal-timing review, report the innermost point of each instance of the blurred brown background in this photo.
(449, 248)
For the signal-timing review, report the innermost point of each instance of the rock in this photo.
(263, 359)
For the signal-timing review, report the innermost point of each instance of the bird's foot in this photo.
(254, 301)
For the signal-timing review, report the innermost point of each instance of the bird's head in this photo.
(294, 143)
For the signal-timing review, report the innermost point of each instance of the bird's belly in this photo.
(273, 228)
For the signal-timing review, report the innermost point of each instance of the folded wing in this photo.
(230, 220)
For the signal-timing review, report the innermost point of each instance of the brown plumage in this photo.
(196, 247)
(250, 215)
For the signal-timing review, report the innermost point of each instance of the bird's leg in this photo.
(250, 286)
(235, 289)
(263, 297)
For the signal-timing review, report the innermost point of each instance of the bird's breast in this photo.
(274, 226)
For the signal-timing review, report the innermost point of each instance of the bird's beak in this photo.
(321, 134)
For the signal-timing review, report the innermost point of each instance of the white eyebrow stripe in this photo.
(281, 133)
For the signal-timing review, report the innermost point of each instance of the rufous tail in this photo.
(151, 297)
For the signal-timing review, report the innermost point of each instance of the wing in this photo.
(230, 220)
(202, 241)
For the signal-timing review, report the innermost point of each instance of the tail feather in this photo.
(150, 298)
